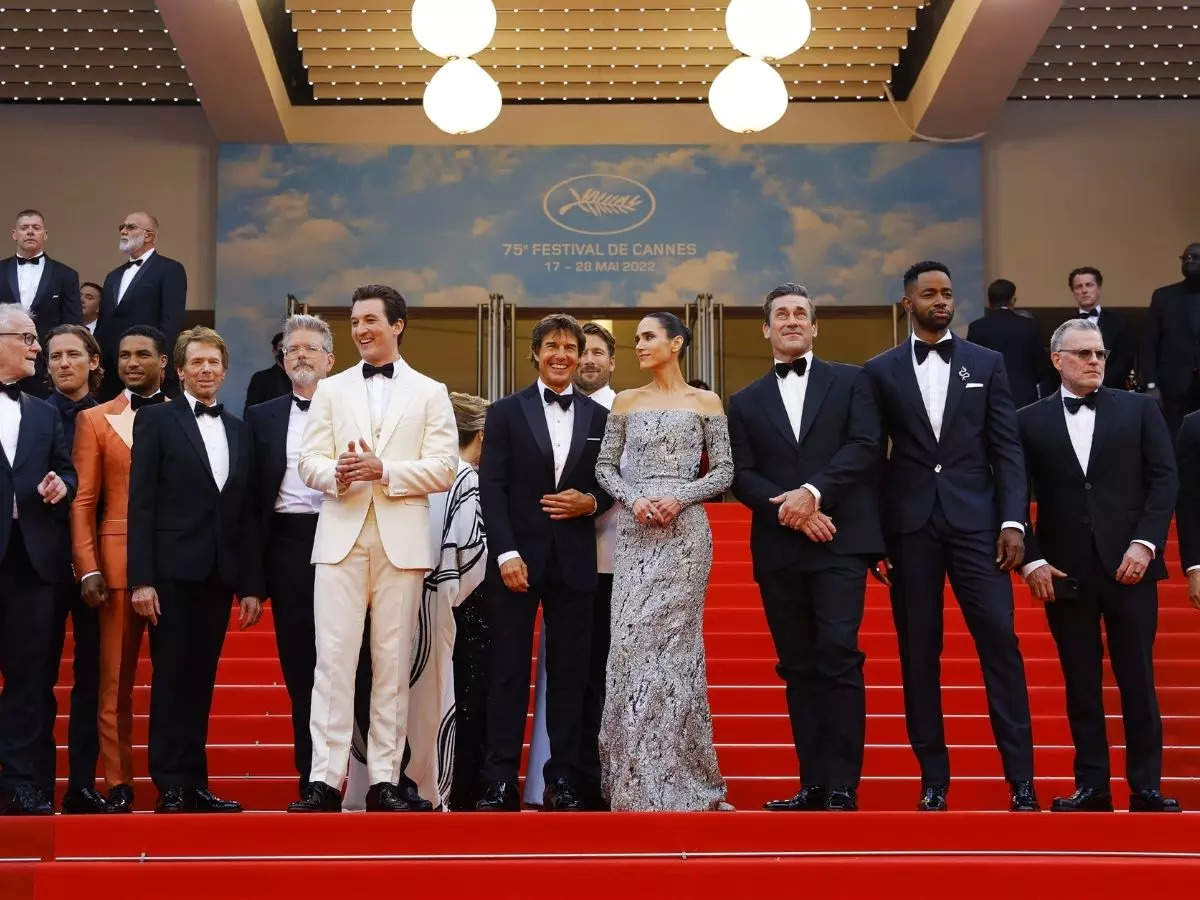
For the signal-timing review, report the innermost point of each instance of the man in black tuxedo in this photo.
(37, 482)
(45, 288)
(954, 503)
(285, 517)
(267, 384)
(1187, 510)
(1016, 338)
(807, 447)
(1086, 283)
(189, 505)
(1171, 343)
(1102, 466)
(148, 289)
(537, 486)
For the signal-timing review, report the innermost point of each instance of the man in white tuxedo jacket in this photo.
(380, 438)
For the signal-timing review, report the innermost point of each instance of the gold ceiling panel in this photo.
(677, 56)
(557, 90)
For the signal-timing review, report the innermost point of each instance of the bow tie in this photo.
(13, 390)
(215, 410)
(943, 349)
(137, 401)
(1090, 314)
(135, 262)
(70, 412)
(1073, 403)
(563, 400)
(301, 403)
(32, 261)
(799, 366)
(370, 371)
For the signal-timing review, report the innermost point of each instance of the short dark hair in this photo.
(603, 333)
(916, 270)
(674, 328)
(93, 284)
(394, 305)
(1001, 292)
(1085, 270)
(699, 383)
(160, 339)
(788, 289)
(277, 340)
(90, 344)
(30, 212)
(550, 324)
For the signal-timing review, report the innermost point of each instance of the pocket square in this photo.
(593, 439)
(972, 384)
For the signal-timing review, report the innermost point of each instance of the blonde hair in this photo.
(470, 412)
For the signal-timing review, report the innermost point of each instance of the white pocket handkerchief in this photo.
(593, 439)
(972, 384)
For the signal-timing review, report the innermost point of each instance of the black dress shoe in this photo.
(1152, 801)
(318, 797)
(409, 794)
(841, 799)
(385, 797)
(175, 799)
(933, 798)
(205, 801)
(82, 801)
(1085, 799)
(809, 797)
(499, 796)
(29, 800)
(120, 800)
(1023, 798)
(562, 796)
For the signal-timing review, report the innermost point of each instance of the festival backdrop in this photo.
(584, 226)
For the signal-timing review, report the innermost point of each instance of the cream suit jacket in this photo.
(418, 444)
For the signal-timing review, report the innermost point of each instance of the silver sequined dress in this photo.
(656, 739)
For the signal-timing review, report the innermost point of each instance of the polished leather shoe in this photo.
(933, 798)
(318, 797)
(808, 797)
(205, 801)
(1024, 799)
(120, 800)
(562, 796)
(385, 797)
(175, 799)
(1085, 799)
(28, 800)
(1152, 801)
(83, 801)
(416, 803)
(499, 796)
(841, 799)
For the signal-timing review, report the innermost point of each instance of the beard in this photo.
(304, 376)
(591, 381)
(131, 245)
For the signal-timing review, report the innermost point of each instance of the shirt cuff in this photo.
(1149, 546)
(1190, 569)
(87, 575)
(506, 556)
(812, 490)
(1017, 525)
(595, 503)
(385, 480)
(1032, 567)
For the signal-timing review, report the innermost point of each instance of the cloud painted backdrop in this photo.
(647, 226)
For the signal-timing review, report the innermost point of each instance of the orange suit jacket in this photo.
(103, 438)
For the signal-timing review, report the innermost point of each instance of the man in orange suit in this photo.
(103, 441)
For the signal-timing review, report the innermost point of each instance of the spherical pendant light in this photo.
(449, 28)
(462, 98)
(748, 95)
(768, 29)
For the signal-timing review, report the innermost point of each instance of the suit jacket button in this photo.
(1087, 485)
(937, 468)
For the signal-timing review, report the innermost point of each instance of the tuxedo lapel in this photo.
(535, 415)
(27, 435)
(187, 422)
(233, 440)
(771, 401)
(579, 432)
(1102, 431)
(960, 361)
(43, 288)
(820, 377)
(148, 263)
(120, 419)
(905, 379)
(398, 402)
(362, 405)
(10, 275)
(1054, 421)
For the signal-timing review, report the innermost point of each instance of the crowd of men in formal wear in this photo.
(133, 503)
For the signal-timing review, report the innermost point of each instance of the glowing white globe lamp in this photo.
(453, 28)
(748, 95)
(461, 98)
(768, 29)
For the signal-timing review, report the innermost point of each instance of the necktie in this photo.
(134, 262)
(1073, 403)
(563, 400)
(1089, 314)
(33, 260)
(301, 403)
(943, 349)
(215, 410)
(137, 401)
(370, 371)
(799, 366)
(13, 390)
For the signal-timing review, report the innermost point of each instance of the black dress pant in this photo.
(27, 619)
(83, 737)
(290, 587)
(921, 561)
(185, 647)
(472, 648)
(593, 698)
(814, 614)
(1130, 614)
(567, 618)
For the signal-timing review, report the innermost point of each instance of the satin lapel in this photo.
(362, 406)
(772, 406)
(906, 379)
(26, 435)
(147, 265)
(535, 415)
(1102, 431)
(1055, 423)
(820, 377)
(960, 361)
(43, 288)
(187, 423)
(10, 274)
(579, 432)
(398, 402)
(233, 439)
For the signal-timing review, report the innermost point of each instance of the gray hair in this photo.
(302, 322)
(1061, 332)
(9, 313)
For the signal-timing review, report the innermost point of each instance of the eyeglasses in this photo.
(1087, 355)
(295, 350)
(1190, 257)
(128, 226)
(26, 336)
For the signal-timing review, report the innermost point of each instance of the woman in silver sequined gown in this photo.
(656, 740)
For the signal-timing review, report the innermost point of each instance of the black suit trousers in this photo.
(921, 561)
(185, 646)
(1130, 614)
(814, 615)
(567, 618)
(83, 738)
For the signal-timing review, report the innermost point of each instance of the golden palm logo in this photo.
(599, 204)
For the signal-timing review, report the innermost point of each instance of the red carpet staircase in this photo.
(670, 855)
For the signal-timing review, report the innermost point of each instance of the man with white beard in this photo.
(148, 289)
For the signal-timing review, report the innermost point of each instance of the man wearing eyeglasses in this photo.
(147, 289)
(1103, 470)
(1171, 343)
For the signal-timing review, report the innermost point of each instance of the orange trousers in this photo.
(121, 632)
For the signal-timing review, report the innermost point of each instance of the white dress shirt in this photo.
(793, 389)
(29, 276)
(130, 273)
(10, 430)
(91, 326)
(379, 395)
(216, 442)
(294, 495)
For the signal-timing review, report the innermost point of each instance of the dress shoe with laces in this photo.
(385, 797)
(809, 797)
(29, 800)
(933, 798)
(83, 801)
(120, 800)
(205, 801)
(561, 795)
(175, 799)
(409, 794)
(1024, 799)
(1085, 799)
(499, 796)
(841, 799)
(1152, 801)
(318, 797)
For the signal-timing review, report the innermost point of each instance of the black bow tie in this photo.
(370, 371)
(32, 260)
(799, 366)
(215, 410)
(75, 408)
(1089, 314)
(13, 390)
(135, 262)
(944, 350)
(137, 401)
(301, 403)
(1073, 403)
(563, 400)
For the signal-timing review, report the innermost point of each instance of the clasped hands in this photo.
(1132, 569)
(799, 511)
(568, 504)
(657, 511)
(357, 465)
